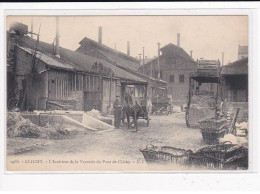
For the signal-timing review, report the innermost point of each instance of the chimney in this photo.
(128, 48)
(100, 34)
(31, 28)
(57, 53)
(178, 40)
(191, 54)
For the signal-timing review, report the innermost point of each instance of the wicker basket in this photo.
(223, 156)
(165, 154)
(212, 137)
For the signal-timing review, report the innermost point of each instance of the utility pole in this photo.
(158, 60)
(57, 53)
(222, 59)
(140, 60)
(143, 60)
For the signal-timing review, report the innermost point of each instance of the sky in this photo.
(206, 36)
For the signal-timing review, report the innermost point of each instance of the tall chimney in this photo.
(100, 34)
(31, 28)
(128, 48)
(57, 53)
(191, 54)
(178, 39)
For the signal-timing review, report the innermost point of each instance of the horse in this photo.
(131, 108)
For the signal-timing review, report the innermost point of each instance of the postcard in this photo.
(127, 93)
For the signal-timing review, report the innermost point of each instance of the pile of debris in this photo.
(17, 126)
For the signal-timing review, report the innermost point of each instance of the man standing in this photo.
(117, 112)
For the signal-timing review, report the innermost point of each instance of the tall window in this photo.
(171, 78)
(181, 78)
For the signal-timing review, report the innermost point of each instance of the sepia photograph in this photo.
(127, 93)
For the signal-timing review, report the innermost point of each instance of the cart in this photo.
(208, 71)
(143, 113)
(161, 105)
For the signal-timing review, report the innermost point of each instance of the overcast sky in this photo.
(206, 36)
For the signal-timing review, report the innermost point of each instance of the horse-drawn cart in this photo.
(161, 105)
(134, 106)
(202, 104)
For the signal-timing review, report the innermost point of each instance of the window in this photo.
(171, 78)
(181, 78)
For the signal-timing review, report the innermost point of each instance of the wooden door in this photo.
(92, 100)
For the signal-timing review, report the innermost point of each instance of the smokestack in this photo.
(128, 48)
(222, 59)
(178, 40)
(31, 28)
(191, 54)
(100, 34)
(57, 38)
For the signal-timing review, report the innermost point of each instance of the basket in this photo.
(212, 136)
(223, 156)
(165, 154)
(213, 124)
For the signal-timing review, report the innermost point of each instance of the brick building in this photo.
(175, 68)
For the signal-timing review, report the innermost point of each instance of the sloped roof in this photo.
(79, 61)
(112, 55)
(176, 50)
(239, 67)
(146, 77)
(50, 61)
(242, 50)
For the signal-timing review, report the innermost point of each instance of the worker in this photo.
(117, 112)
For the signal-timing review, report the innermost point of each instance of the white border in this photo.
(209, 179)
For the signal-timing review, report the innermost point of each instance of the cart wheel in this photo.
(187, 116)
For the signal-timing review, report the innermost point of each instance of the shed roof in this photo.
(112, 55)
(79, 61)
(49, 60)
(239, 67)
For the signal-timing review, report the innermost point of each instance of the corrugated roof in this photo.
(112, 55)
(79, 61)
(239, 67)
(51, 61)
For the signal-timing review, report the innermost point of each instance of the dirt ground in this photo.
(121, 143)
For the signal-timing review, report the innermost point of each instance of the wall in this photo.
(78, 97)
(178, 90)
(36, 91)
(109, 95)
(230, 108)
